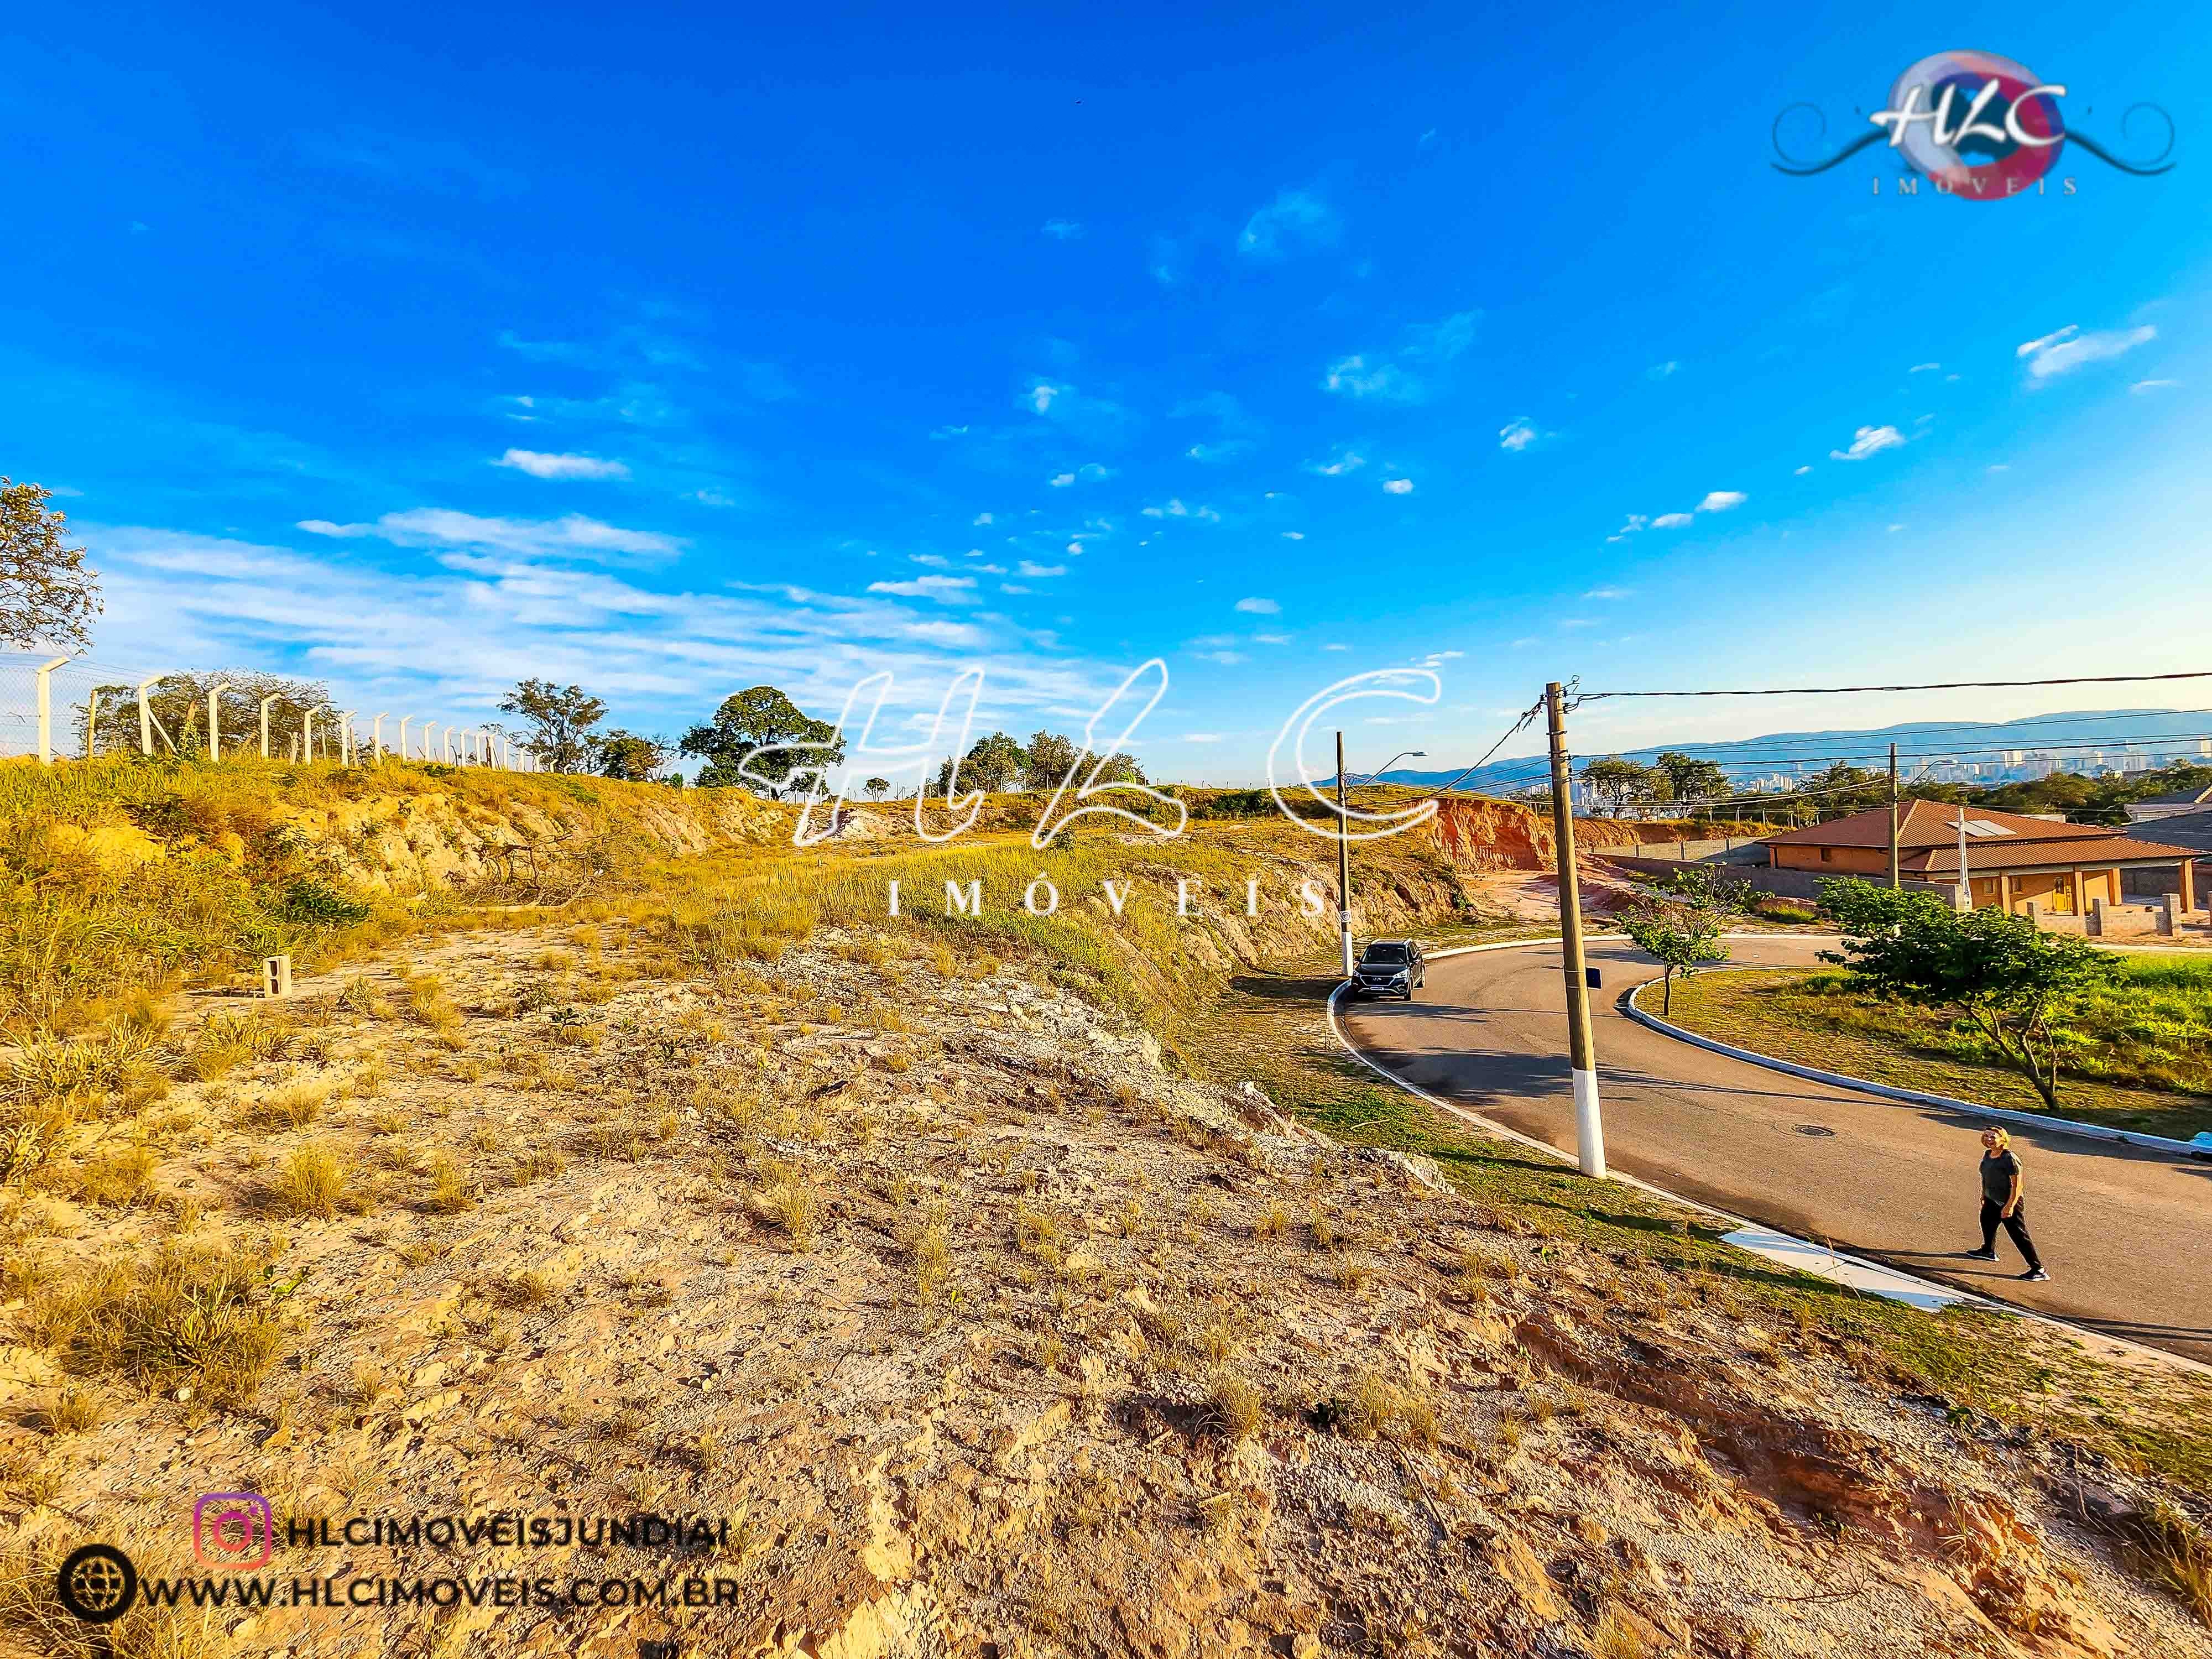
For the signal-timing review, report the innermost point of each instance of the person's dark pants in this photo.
(2016, 1226)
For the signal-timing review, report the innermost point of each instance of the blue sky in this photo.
(669, 348)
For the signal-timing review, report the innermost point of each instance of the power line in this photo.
(1939, 685)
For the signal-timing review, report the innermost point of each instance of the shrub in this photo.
(311, 1181)
(311, 903)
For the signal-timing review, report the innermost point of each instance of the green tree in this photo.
(992, 763)
(761, 718)
(630, 756)
(1840, 786)
(561, 722)
(876, 788)
(2012, 981)
(47, 597)
(1618, 783)
(1682, 937)
(1047, 761)
(1690, 779)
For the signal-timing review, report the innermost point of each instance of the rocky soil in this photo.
(976, 1332)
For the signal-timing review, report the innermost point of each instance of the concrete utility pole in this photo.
(215, 719)
(376, 735)
(403, 719)
(1892, 819)
(44, 676)
(346, 746)
(1343, 862)
(266, 702)
(1590, 1123)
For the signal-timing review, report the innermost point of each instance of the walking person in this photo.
(2001, 1203)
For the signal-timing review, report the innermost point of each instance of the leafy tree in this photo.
(47, 597)
(1840, 786)
(761, 717)
(1682, 937)
(2014, 982)
(561, 722)
(1047, 761)
(1686, 778)
(1711, 891)
(876, 788)
(630, 756)
(1618, 783)
(1864, 909)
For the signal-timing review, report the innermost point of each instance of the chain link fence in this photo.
(56, 708)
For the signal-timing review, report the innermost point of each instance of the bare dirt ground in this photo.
(970, 1329)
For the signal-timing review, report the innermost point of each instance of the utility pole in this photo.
(1963, 897)
(1892, 819)
(1343, 863)
(1590, 1124)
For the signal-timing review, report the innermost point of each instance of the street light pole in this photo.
(1590, 1124)
(1892, 819)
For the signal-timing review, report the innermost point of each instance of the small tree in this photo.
(1047, 761)
(2012, 981)
(47, 597)
(876, 788)
(1686, 779)
(629, 755)
(760, 717)
(560, 723)
(1616, 783)
(1683, 939)
(996, 763)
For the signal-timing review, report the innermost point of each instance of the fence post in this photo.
(266, 702)
(45, 677)
(346, 745)
(146, 719)
(403, 719)
(376, 735)
(449, 743)
(215, 719)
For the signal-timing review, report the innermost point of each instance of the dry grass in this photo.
(204, 1322)
(311, 1181)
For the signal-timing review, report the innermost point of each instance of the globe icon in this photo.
(98, 1584)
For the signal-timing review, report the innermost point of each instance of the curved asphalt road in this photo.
(2126, 1235)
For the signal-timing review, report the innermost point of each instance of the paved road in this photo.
(2126, 1235)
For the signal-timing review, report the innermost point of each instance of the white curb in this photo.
(2064, 1125)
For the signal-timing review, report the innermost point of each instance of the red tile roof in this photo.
(1935, 823)
(2099, 853)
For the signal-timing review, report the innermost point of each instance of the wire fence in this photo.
(56, 708)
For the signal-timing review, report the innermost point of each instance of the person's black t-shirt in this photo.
(1998, 1171)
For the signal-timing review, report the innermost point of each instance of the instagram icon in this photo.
(234, 1529)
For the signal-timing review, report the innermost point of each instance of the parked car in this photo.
(1389, 967)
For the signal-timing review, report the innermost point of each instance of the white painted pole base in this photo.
(1590, 1126)
(1344, 937)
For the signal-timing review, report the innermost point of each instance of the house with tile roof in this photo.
(2011, 858)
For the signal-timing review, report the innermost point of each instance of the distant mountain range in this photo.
(2090, 740)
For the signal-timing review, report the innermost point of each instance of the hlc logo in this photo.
(1976, 125)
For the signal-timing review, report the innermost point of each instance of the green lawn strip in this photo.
(1771, 1011)
(1272, 1029)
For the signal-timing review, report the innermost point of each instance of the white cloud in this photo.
(1895, 528)
(1091, 472)
(539, 465)
(1061, 480)
(1670, 521)
(1201, 737)
(1294, 535)
(944, 433)
(2151, 385)
(932, 560)
(1256, 607)
(1225, 658)
(1175, 509)
(711, 498)
(1868, 441)
(1345, 460)
(1720, 501)
(949, 590)
(1801, 472)
(1027, 567)
(1271, 639)
(1609, 594)
(983, 518)
(1295, 221)
(1336, 648)
(1662, 371)
(2001, 466)
(435, 526)
(1632, 523)
(1214, 454)
(1517, 434)
(1062, 230)
(1923, 368)
(2070, 349)
(1355, 377)
(1398, 486)
(1042, 394)
(1012, 587)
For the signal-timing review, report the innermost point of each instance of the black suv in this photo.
(1391, 967)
